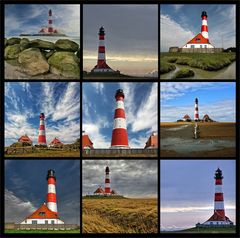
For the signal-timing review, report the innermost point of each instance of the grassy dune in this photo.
(211, 230)
(77, 231)
(120, 216)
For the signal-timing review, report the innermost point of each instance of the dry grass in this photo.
(120, 216)
(48, 153)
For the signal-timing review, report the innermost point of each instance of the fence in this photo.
(46, 226)
(124, 152)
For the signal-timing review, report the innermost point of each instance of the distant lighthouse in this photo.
(204, 28)
(107, 181)
(218, 218)
(102, 66)
(119, 133)
(196, 114)
(42, 134)
(50, 22)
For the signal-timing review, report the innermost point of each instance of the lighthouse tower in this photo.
(196, 114)
(218, 218)
(42, 134)
(47, 213)
(50, 22)
(107, 181)
(201, 40)
(102, 66)
(119, 133)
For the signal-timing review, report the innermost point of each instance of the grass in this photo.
(47, 153)
(120, 216)
(77, 231)
(204, 61)
(183, 73)
(210, 230)
(122, 155)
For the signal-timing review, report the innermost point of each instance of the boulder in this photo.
(13, 41)
(24, 44)
(66, 45)
(42, 44)
(33, 62)
(65, 64)
(78, 53)
(48, 54)
(12, 51)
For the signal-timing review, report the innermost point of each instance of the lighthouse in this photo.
(102, 66)
(42, 134)
(218, 218)
(201, 40)
(119, 133)
(50, 21)
(107, 181)
(196, 114)
(47, 213)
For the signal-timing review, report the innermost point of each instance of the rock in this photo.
(13, 41)
(48, 54)
(24, 44)
(33, 62)
(65, 64)
(66, 45)
(12, 51)
(42, 44)
(184, 73)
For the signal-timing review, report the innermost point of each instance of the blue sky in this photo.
(129, 178)
(26, 188)
(140, 108)
(184, 21)
(187, 191)
(60, 102)
(29, 18)
(215, 99)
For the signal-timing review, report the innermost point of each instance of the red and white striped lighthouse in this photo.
(196, 114)
(204, 27)
(42, 134)
(119, 133)
(51, 195)
(107, 181)
(50, 22)
(101, 62)
(218, 218)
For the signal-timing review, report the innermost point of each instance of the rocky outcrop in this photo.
(12, 51)
(33, 62)
(13, 41)
(66, 45)
(42, 44)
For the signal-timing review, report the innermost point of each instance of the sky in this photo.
(130, 178)
(184, 21)
(30, 18)
(26, 188)
(60, 102)
(187, 191)
(215, 99)
(141, 111)
(131, 37)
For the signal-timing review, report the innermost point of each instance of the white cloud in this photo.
(99, 87)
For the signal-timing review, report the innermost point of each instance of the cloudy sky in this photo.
(60, 102)
(187, 191)
(26, 188)
(140, 107)
(215, 99)
(131, 38)
(30, 18)
(130, 178)
(184, 21)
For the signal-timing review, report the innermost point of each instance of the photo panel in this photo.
(204, 42)
(198, 196)
(120, 119)
(120, 41)
(42, 196)
(198, 119)
(41, 119)
(39, 43)
(120, 196)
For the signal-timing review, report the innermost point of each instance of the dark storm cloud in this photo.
(129, 28)
(131, 178)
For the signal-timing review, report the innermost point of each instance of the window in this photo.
(200, 46)
(41, 214)
(34, 222)
(46, 221)
(198, 40)
(192, 46)
(205, 46)
(52, 222)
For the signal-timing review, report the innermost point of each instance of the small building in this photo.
(206, 118)
(198, 41)
(43, 215)
(187, 118)
(99, 191)
(56, 143)
(152, 141)
(25, 140)
(86, 142)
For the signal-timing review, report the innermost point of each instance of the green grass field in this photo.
(42, 232)
(210, 230)
(204, 61)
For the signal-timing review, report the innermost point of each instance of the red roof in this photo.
(56, 141)
(217, 217)
(152, 142)
(43, 213)
(186, 117)
(99, 190)
(86, 142)
(199, 39)
(24, 138)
